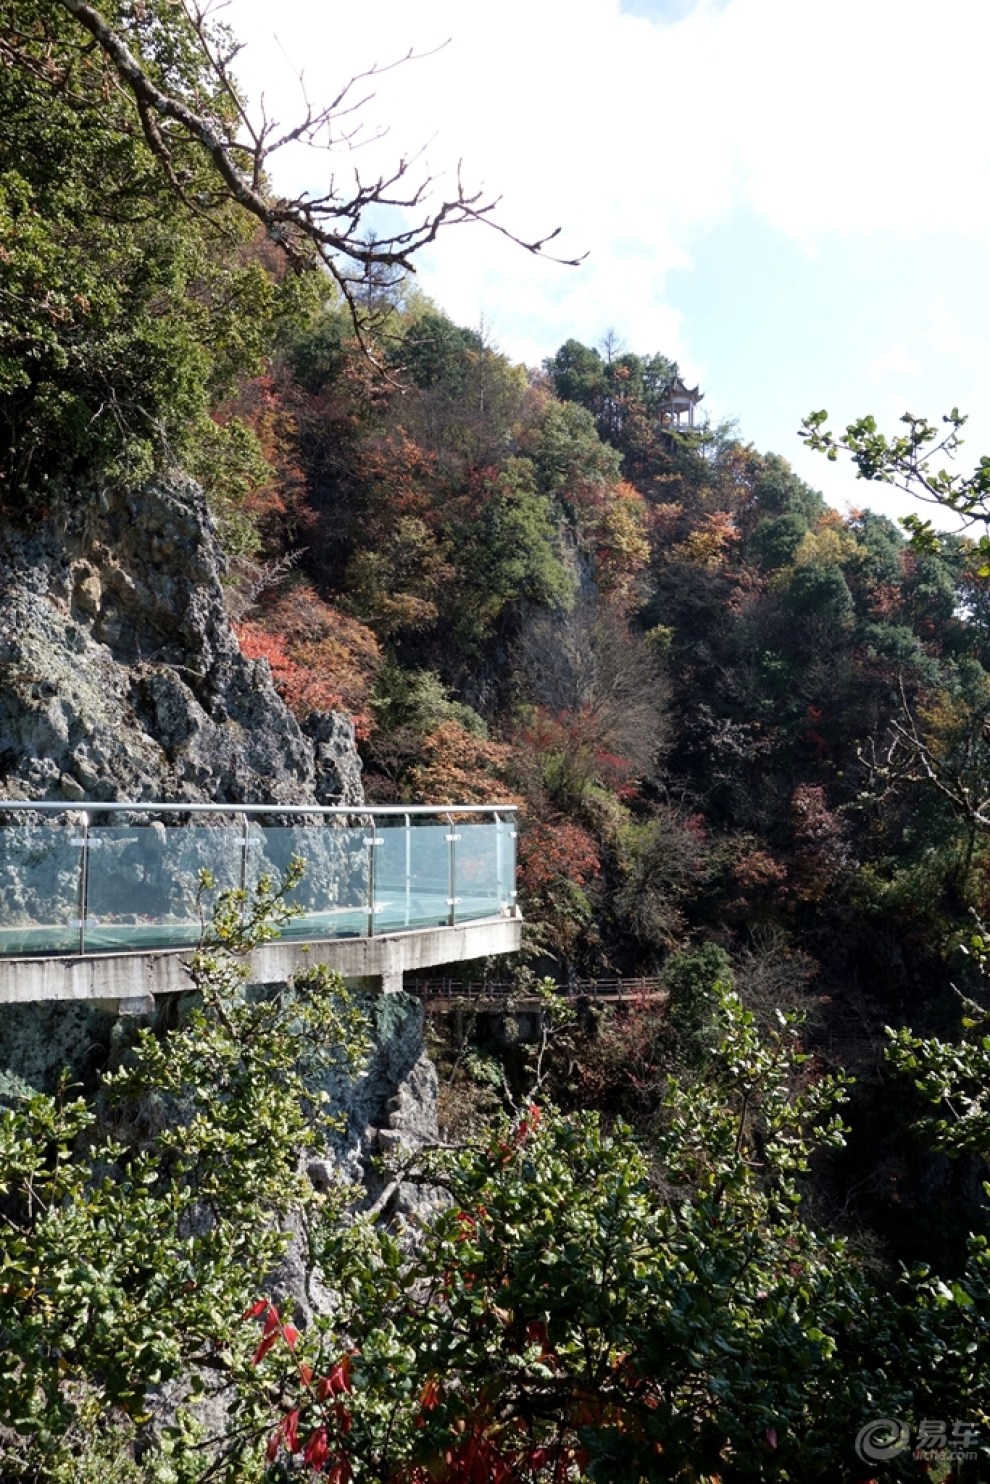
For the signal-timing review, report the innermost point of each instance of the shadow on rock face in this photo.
(122, 677)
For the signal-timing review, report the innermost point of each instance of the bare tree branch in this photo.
(329, 228)
(960, 773)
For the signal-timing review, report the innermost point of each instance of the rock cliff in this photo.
(119, 674)
(120, 678)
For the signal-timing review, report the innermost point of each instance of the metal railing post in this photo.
(408, 843)
(245, 839)
(499, 863)
(514, 837)
(452, 840)
(372, 841)
(83, 883)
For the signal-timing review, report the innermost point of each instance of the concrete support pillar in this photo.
(139, 1004)
(391, 981)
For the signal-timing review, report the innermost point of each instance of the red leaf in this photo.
(468, 1226)
(317, 1450)
(430, 1395)
(264, 1347)
(338, 1380)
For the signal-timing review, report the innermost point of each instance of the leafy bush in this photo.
(136, 1229)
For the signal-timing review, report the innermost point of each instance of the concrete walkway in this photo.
(130, 981)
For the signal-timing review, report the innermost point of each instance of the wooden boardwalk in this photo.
(438, 994)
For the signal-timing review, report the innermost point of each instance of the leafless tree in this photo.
(239, 143)
(248, 580)
(588, 663)
(958, 769)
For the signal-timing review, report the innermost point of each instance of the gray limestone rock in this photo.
(38, 1042)
(338, 767)
(120, 677)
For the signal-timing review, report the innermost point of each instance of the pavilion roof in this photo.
(677, 388)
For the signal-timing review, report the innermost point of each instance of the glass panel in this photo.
(144, 880)
(144, 883)
(477, 872)
(393, 876)
(335, 886)
(507, 861)
(424, 903)
(412, 876)
(431, 874)
(39, 888)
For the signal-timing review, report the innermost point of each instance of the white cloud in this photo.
(893, 364)
(859, 119)
(949, 330)
(861, 116)
(564, 110)
(850, 117)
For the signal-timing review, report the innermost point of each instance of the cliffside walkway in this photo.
(446, 993)
(104, 901)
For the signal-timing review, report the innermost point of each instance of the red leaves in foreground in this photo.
(429, 1397)
(336, 1419)
(313, 1431)
(317, 1450)
(338, 1380)
(527, 1124)
(477, 1461)
(273, 1328)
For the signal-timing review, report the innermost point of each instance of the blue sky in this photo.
(790, 197)
(882, 326)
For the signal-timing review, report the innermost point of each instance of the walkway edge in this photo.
(117, 977)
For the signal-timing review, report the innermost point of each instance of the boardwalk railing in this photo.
(578, 989)
(97, 878)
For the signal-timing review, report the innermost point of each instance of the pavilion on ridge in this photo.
(677, 407)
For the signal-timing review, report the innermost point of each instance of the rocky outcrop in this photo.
(120, 677)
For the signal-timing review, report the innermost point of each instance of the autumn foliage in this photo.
(321, 659)
(459, 767)
(555, 853)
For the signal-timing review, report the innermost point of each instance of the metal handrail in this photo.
(631, 987)
(87, 806)
(364, 816)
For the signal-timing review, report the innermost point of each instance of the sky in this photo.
(790, 198)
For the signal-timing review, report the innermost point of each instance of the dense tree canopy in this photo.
(125, 313)
(133, 177)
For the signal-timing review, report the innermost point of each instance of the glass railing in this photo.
(99, 878)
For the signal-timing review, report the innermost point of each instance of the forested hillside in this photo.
(732, 714)
(750, 741)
